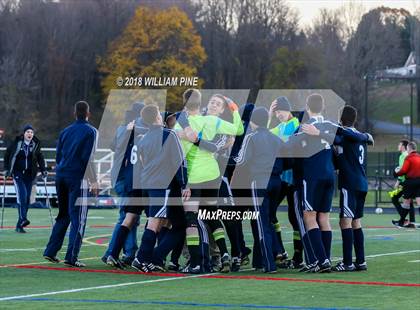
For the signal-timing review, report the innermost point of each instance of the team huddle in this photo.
(176, 166)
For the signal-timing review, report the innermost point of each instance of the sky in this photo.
(308, 9)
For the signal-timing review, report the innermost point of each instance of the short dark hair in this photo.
(315, 103)
(192, 99)
(149, 114)
(404, 142)
(412, 145)
(81, 109)
(348, 116)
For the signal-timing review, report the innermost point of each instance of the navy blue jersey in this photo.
(301, 146)
(74, 149)
(351, 161)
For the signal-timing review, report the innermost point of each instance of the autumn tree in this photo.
(158, 43)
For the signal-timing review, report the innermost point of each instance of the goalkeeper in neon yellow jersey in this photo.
(204, 174)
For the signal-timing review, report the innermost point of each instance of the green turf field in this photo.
(393, 260)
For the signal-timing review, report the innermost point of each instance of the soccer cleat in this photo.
(281, 258)
(20, 230)
(270, 271)
(192, 270)
(114, 262)
(236, 264)
(142, 267)
(77, 264)
(308, 268)
(126, 260)
(245, 256)
(215, 262)
(157, 268)
(25, 223)
(325, 267)
(173, 266)
(52, 259)
(398, 224)
(410, 225)
(361, 267)
(225, 260)
(104, 258)
(341, 267)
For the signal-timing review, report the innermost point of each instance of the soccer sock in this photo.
(232, 232)
(172, 238)
(193, 242)
(412, 213)
(177, 251)
(122, 234)
(161, 234)
(326, 241)
(277, 229)
(219, 238)
(359, 246)
(404, 211)
(309, 252)
(316, 241)
(298, 247)
(347, 236)
(397, 205)
(147, 245)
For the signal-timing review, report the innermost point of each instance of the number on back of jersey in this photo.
(362, 154)
(133, 156)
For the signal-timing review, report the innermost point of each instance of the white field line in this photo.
(414, 261)
(84, 289)
(148, 281)
(392, 253)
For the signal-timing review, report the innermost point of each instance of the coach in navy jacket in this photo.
(74, 168)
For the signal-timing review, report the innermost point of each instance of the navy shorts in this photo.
(157, 202)
(352, 203)
(317, 195)
(133, 203)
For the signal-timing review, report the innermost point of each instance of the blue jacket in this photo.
(75, 146)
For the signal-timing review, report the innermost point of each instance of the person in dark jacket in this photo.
(75, 169)
(260, 153)
(22, 160)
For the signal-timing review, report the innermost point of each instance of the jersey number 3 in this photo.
(362, 154)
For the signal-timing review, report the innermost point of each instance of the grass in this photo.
(170, 292)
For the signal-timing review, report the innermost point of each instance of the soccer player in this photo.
(162, 158)
(353, 186)
(120, 173)
(21, 161)
(73, 157)
(315, 181)
(288, 126)
(260, 152)
(411, 170)
(204, 176)
(402, 148)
